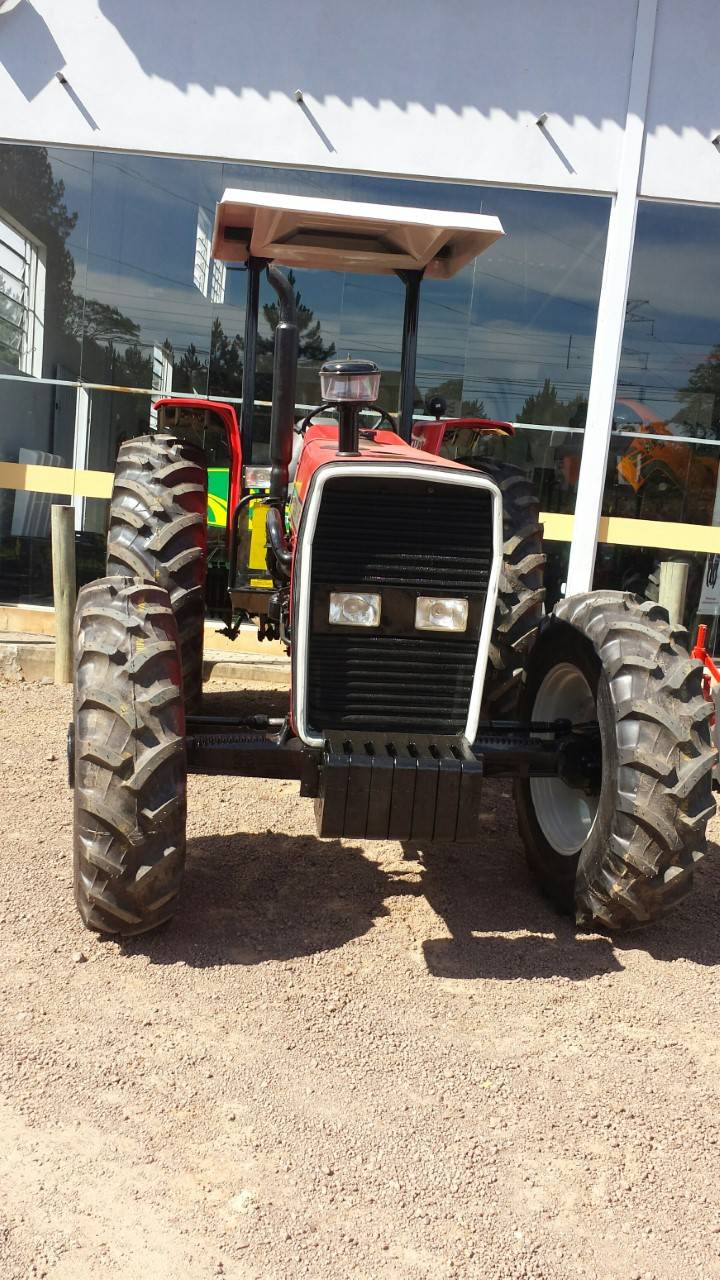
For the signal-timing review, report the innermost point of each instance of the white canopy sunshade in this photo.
(347, 235)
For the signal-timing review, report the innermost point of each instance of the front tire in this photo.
(130, 767)
(622, 853)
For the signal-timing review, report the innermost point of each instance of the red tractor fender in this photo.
(429, 436)
(228, 416)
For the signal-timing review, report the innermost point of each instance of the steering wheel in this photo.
(302, 427)
(384, 417)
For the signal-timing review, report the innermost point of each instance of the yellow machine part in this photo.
(252, 546)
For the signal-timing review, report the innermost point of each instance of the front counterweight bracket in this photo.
(400, 788)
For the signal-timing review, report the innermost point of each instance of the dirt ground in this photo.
(342, 1060)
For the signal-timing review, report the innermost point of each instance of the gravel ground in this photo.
(342, 1060)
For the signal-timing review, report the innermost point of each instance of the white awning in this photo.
(347, 235)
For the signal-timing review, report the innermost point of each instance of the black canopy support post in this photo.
(408, 358)
(285, 362)
(255, 266)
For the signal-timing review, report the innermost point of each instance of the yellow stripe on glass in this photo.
(616, 530)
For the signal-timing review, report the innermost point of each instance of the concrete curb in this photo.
(34, 659)
(36, 622)
(27, 660)
(246, 667)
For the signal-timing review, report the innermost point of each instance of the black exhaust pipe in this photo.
(285, 359)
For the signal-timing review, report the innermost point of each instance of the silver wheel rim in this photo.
(565, 815)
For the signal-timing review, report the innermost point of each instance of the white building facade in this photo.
(591, 130)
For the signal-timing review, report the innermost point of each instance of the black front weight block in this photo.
(399, 788)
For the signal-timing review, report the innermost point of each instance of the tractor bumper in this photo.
(393, 787)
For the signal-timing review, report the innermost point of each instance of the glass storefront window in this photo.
(25, 553)
(110, 295)
(638, 569)
(37, 422)
(45, 199)
(531, 331)
(152, 287)
(664, 454)
(650, 476)
(664, 459)
(113, 417)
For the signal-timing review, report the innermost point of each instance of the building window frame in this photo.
(23, 258)
(209, 275)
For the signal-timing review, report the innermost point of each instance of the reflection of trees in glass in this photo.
(110, 341)
(451, 390)
(311, 348)
(136, 367)
(226, 362)
(704, 381)
(226, 354)
(102, 328)
(129, 368)
(100, 322)
(30, 194)
(545, 408)
(190, 372)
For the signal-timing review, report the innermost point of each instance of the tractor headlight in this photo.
(354, 609)
(435, 613)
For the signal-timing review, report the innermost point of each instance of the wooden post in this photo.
(673, 586)
(63, 568)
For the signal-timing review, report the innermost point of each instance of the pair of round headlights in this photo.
(364, 609)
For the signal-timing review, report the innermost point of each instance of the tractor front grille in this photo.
(403, 537)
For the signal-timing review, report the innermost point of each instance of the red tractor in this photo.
(408, 588)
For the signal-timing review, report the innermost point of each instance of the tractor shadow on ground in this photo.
(220, 699)
(500, 925)
(486, 894)
(251, 898)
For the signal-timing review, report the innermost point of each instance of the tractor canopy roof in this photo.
(348, 235)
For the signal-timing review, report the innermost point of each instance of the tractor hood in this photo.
(320, 446)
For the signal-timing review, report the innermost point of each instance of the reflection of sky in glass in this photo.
(142, 245)
(534, 301)
(671, 330)
(673, 316)
(524, 312)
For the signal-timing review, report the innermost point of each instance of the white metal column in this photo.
(611, 312)
(81, 443)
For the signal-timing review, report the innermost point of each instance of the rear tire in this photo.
(130, 768)
(521, 593)
(644, 826)
(158, 532)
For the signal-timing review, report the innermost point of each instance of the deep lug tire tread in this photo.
(158, 531)
(521, 592)
(130, 766)
(663, 787)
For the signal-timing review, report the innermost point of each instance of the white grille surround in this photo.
(302, 575)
